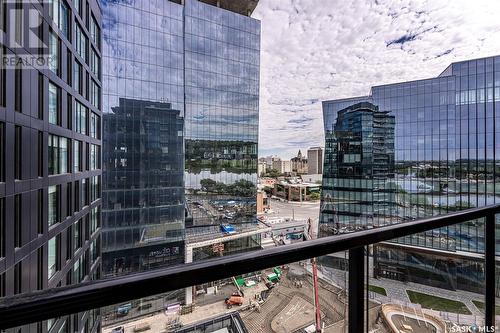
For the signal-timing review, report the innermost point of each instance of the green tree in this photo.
(272, 173)
(315, 196)
(208, 185)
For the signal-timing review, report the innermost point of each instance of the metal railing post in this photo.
(356, 284)
(489, 254)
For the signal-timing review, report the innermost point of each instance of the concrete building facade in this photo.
(315, 160)
(50, 151)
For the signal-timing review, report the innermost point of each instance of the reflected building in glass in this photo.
(144, 193)
(222, 54)
(446, 139)
(202, 61)
(362, 166)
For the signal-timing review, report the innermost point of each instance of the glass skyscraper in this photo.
(203, 61)
(446, 140)
(144, 192)
(222, 55)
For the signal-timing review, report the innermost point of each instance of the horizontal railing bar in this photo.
(52, 303)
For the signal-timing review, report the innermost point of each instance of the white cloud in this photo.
(314, 50)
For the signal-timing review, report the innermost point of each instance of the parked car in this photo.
(123, 309)
(118, 329)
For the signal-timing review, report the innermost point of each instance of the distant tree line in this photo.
(240, 188)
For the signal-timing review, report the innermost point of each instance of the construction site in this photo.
(281, 300)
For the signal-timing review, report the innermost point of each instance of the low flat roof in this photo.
(243, 7)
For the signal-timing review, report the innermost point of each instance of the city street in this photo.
(299, 211)
(294, 210)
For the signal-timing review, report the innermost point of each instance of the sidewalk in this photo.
(396, 293)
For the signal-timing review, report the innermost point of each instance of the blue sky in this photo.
(314, 50)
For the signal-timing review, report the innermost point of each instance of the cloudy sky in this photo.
(314, 50)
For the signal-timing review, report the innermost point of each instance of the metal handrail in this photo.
(52, 303)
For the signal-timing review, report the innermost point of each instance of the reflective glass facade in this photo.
(204, 62)
(222, 103)
(143, 194)
(144, 189)
(446, 140)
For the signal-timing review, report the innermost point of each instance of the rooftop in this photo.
(243, 7)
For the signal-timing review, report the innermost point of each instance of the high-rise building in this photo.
(202, 59)
(282, 166)
(50, 144)
(315, 160)
(361, 147)
(446, 134)
(144, 195)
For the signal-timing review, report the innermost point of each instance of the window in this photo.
(2, 152)
(78, 6)
(58, 154)
(86, 191)
(77, 271)
(77, 241)
(69, 69)
(95, 126)
(2, 285)
(18, 278)
(69, 199)
(19, 23)
(95, 183)
(41, 92)
(54, 51)
(18, 138)
(69, 245)
(18, 87)
(94, 157)
(95, 32)
(69, 111)
(80, 118)
(60, 14)
(81, 42)
(94, 220)
(78, 77)
(54, 104)
(52, 262)
(39, 269)
(95, 63)
(77, 156)
(94, 94)
(77, 197)
(18, 239)
(40, 203)
(53, 205)
(40, 153)
(2, 227)
(2, 76)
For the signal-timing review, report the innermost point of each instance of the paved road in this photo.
(295, 211)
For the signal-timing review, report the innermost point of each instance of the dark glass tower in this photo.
(446, 158)
(50, 143)
(222, 53)
(361, 147)
(144, 196)
(203, 61)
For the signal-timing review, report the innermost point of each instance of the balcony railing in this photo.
(43, 305)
